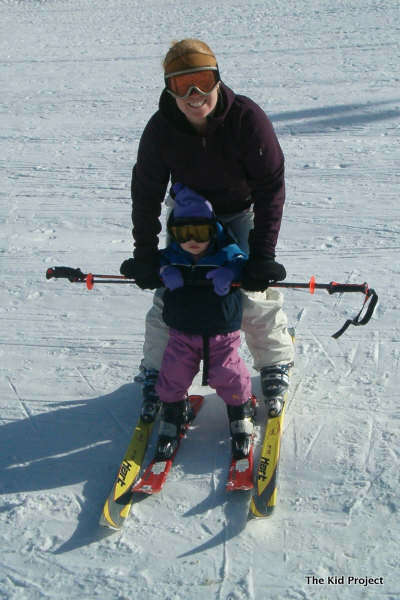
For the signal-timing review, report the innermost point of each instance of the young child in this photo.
(204, 315)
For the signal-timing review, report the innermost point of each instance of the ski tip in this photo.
(103, 522)
(252, 517)
(112, 516)
(258, 513)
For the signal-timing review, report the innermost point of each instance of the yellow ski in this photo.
(119, 502)
(264, 500)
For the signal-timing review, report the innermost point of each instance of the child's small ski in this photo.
(240, 475)
(154, 477)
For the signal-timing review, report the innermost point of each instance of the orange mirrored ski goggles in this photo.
(182, 84)
(199, 232)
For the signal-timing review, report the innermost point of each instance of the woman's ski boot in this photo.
(151, 402)
(241, 424)
(275, 384)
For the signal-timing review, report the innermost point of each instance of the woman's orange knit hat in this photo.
(187, 55)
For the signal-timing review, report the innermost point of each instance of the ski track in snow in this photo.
(80, 79)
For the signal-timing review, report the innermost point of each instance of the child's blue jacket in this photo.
(195, 308)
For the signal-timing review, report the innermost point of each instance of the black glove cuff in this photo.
(264, 269)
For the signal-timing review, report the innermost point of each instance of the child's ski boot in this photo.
(174, 417)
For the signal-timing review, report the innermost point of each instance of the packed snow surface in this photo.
(79, 80)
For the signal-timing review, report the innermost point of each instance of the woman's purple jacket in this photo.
(236, 163)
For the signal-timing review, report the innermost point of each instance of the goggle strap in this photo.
(187, 71)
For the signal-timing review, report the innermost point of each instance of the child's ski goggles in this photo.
(203, 80)
(199, 232)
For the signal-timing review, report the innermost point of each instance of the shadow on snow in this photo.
(84, 442)
(336, 117)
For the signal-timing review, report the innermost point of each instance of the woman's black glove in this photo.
(144, 271)
(258, 273)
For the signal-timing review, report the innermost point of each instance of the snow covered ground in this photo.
(79, 80)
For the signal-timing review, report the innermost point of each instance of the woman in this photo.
(223, 146)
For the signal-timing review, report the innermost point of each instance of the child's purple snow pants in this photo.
(227, 372)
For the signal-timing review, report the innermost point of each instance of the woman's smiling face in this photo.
(197, 107)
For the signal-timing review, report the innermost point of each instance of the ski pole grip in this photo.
(339, 288)
(65, 273)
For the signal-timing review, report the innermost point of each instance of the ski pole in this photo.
(76, 276)
(362, 318)
(366, 311)
(368, 307)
